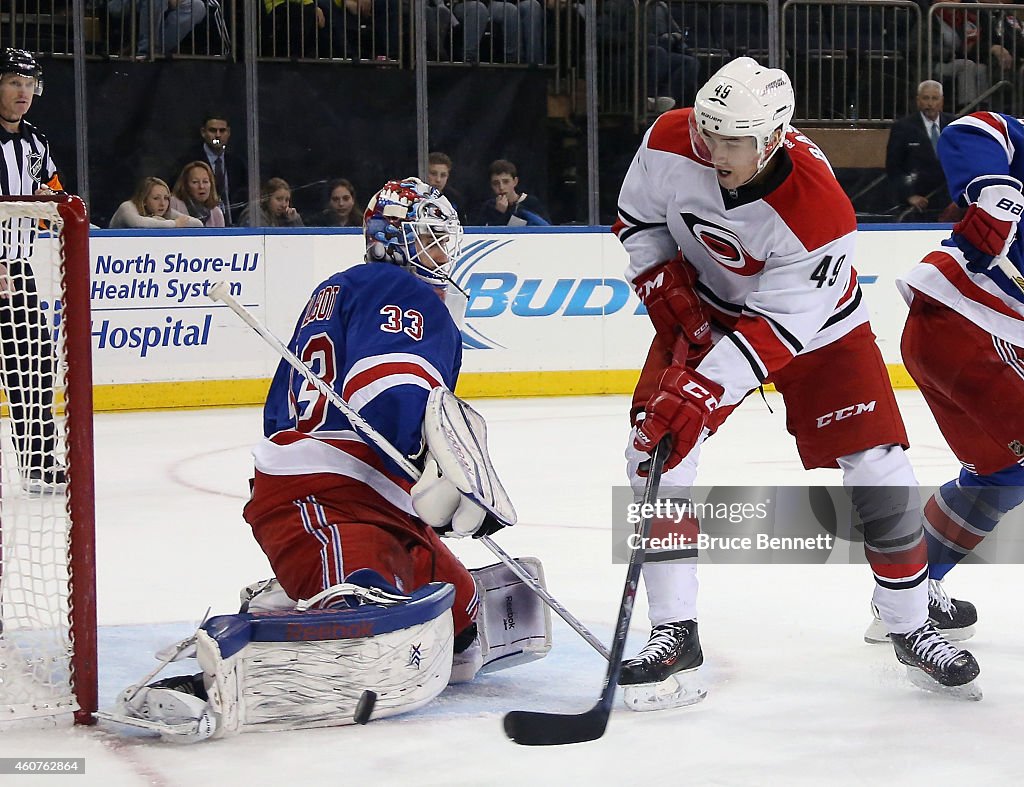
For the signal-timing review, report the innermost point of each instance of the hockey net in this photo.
(47, 571)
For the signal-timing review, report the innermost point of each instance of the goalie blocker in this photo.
(282, 666)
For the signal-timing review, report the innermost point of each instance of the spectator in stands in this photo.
(959, 59)
(518, 23)
(291, 28)
(230, 176)
(508, 206)
(1006, 50)
(171, 20)
(150, 208)
(672, 75)
(196, 194)
(364, 29)
(911, 164)
(455, 29)
(342, 209)
(439, 170)
(275, 207)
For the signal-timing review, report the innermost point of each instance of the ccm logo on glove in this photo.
(681, 407)
(667, 292)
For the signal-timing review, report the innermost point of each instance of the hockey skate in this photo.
(51, 481)
(934, 664)
(175, 707)
(953, 618)
(665, 674)
(467, 657)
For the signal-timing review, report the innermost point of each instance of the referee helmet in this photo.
(22, 63)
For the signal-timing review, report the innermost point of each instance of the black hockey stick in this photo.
(534, 728)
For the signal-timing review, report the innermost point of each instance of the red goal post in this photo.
(48, 662)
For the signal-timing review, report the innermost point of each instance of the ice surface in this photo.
(796, 697)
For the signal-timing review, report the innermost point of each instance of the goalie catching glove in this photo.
(440, 504)
(459, 492)
(681, 407)
(667, 292)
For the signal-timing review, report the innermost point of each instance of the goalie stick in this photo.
(221, 292)
(535, 728)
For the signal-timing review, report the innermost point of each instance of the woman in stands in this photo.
(150, 208)
(195, 193)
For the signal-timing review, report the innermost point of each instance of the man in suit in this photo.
(910, 161)
(229, 170)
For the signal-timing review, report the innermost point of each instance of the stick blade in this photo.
(533, 728)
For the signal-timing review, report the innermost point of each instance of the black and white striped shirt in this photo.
(25, 162)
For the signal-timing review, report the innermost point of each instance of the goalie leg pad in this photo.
(514, 625)
(264, 596)
(301, 669)
(310, 669)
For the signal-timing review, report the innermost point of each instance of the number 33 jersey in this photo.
(382, 339)
(773, 260)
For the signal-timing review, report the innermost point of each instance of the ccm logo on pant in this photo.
(845, 412)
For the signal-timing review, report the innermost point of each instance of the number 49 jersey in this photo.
(773, 260)
(382, 339)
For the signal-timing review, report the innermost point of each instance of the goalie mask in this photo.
(743, 99)
(23, 64)
(410, 223)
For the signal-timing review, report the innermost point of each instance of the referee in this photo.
(27, 366)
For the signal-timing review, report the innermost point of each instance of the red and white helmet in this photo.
(404, 221)
(744, 99)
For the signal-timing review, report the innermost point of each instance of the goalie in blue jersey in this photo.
(366, 596)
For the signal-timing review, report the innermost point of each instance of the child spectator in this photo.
(275, 208)
(439, 170)
(509, 207)
(342, 209)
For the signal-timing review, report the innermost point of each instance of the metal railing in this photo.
(977, 52)
(852, 63)
(122, 28)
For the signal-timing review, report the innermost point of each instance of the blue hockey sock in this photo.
(959, 516)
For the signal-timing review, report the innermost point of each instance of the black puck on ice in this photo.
(365, 707)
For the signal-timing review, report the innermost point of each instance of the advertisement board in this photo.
(548, 309)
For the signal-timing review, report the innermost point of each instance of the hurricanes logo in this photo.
(723, 245)
(1017, 447)
(35, 165)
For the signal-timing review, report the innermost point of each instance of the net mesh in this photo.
(36, 643)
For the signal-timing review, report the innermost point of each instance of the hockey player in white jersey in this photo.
(740, 245)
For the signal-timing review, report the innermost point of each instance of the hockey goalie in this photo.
(368, 603)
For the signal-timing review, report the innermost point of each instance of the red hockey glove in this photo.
(682, 405)
(667, 291)
(989, 224)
